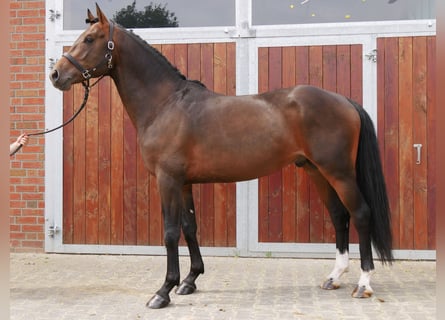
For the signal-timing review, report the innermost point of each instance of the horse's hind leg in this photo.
(189, 229)
(350, 195)
(340, 219)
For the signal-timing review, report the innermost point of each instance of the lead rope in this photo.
(86, 85)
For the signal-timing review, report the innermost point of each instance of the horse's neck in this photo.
(143, 82)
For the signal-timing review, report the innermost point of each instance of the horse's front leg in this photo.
(171, 201)
(189, 229)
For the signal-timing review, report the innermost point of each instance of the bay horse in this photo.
(188, 134)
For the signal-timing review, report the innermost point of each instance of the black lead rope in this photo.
(87, 87)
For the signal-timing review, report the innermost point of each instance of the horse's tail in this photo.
(371, 182)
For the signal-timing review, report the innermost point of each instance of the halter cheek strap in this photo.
(87, 73)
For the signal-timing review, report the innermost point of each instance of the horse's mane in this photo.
(157, 54)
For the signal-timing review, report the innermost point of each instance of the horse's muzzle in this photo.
(58, 82)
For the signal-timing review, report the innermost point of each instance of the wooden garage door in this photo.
(289, 207)
(108, 196)
(406, 116)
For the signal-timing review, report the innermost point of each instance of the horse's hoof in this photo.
(329, 284)
(158, 302)
(361, 292)
(185, 288)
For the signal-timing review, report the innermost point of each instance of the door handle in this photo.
(418, 147)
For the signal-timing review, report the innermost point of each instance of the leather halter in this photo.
(87, 73)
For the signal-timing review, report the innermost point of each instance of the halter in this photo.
(86, 82)
(87, 73)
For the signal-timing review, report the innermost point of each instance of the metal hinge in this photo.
(53, 15)
(372, 56)
(51, 63)
(53, 230)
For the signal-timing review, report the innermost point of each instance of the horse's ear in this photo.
(90, 18)
(100, 15)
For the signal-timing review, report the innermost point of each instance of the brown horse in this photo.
(188, 134)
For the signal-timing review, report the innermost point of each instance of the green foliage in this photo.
(154, 16)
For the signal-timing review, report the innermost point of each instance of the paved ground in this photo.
(78, 287)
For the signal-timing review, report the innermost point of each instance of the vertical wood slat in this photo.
(68, 170)
(275, 179)
(329, 55)
(156, 220)
(79, 171)
(406, 142)
(431, 136)
(388, 80)
(419, 128)
(220, 190)
(117, 169)
(91, 172)
(302, 179)
(316, 206)
(263, 183)
(288, 173)
(104, 154)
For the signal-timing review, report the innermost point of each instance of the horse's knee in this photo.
(171, 237)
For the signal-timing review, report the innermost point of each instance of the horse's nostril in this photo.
(55, 75)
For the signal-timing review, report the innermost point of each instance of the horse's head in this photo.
(89, 57)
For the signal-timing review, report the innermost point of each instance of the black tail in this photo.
(371, 182)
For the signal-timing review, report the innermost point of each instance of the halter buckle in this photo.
(110, 45)
(86, 74)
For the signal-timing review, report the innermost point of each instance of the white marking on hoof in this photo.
(363, 289)
(341, 266)
(191, 211)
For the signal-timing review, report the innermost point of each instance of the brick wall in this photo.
(27, 107)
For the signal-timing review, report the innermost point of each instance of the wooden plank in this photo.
(390, 77)
(356, 93)
(156, 221)
(275, 195)
(329, 83)
(302, 195)
(194, 61)
(329, 65)
(180, 60)
(343, 72)
(406, 152)
(117, 169)
(420, 136)
(431, 140)
(357, 73)
(220, 191)
(168, 50)
(289, 219)
(207, 76)
(68, 169)
(315, 204)
(142, 201)
(220, 217)
(79, 170)
(231, 69)
(263, 183)
(91, 169)
(104, 153)
(231, 187)
(129, 182)
(207, 222)
(231, 215)
(220, 68)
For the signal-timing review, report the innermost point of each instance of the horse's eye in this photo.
(89, 39)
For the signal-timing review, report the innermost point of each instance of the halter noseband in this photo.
(87, 73)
